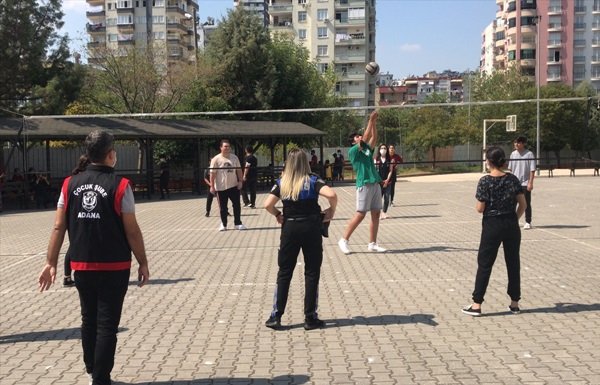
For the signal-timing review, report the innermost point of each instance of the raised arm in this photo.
(370, 135)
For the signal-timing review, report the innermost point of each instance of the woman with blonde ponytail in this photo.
(301, 229)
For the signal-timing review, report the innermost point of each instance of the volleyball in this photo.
(372, 68)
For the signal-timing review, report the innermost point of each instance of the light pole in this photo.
(538, 20)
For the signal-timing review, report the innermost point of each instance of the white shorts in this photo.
(368, 197)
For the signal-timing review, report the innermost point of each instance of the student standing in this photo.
(226, 182)
(522, 165)
(368, 191)
(249, 178)
(301, 222)
(497, 196)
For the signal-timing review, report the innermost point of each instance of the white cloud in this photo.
(410, 47)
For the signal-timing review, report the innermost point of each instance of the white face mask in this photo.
(382, 151)
(114, 164)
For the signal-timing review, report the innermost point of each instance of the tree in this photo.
(136, 80)
(239, 49)
(29, 43)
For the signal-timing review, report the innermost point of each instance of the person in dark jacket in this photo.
(301, 228)
(97, 209)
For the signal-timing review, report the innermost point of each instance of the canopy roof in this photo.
(48, 128)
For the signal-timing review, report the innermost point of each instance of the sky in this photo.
(413, 37)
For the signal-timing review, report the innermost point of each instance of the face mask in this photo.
(382, 151)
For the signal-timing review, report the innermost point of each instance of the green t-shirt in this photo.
(364, 165)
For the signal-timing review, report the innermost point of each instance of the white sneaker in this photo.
(240, 227)
(527, 226)
(392, 204)
(91, 379)
(373, 246)
(383, 215)
(343, 243)
(223, 228)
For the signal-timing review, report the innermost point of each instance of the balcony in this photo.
(579, 43)
(94, 14)
(348, 58)
(554, 27)
(527, 62)
(277, 9)
(96, 44)
(596, 9)
(350, 75)
(554, 77)
(174, 10)
(125, 9)
(552, 61)
(596, 25)
(283, 25)
(595, 59)
(125, 27)
(579, 26)
(353, 21)
(96, 28)
(344, 4)
(351, 39)
(578, 59)
(182, 27)
(595, 42)
(95, 2)
(555, 43)
(555, 10)
(580, 9)
(124, 42)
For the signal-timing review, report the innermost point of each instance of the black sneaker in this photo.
(251, 206)
(273, 322)
(68, 282)
(313, 323)
(470, 311)
(245, 205)
(514, 310)
(207, 214)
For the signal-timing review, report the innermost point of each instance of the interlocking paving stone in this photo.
(392, 318)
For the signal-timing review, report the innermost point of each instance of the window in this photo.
(512, 23)
(302, 16)
(109, 6)
(356, 13)
(124, 19)
(527, 21)
(527, 54)
(302, 34)
(158, 19)
(511, 55)
(112, 37)
(322, 14)
(322, 32)
(110, 22)
(140, 20)
(158, 3)
(158, 35)
(301, 1)
(528, 4)
(500, 35)
(579, 72)
(512, 6)
(124, 4)
(322, 67)
(322, 50)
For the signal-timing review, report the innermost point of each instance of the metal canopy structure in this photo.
(20, 131)
(50, 128)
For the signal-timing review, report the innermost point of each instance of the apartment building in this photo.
(125, 23)
(340, 34)
(416, 89)
(565, 32)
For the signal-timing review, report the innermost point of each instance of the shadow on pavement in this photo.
(429, 249)
(162, 281)
(390, 319)
(559, 308)
(561, 227)
(291, 380)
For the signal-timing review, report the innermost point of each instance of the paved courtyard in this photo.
(392, 318)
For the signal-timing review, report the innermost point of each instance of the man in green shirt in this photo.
(368, 189)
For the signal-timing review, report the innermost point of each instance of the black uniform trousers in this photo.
(496, 230)
(249, 186)
(101, 294)
(528, 201)
(299, 235)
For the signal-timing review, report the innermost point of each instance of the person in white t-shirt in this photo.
(225, 183)
(522, 165)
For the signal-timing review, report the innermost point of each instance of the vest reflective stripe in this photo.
(104, 266)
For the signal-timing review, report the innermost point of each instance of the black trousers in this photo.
(101, 294)
(528, 200)
(296, 236)
(392, 187)
(232, 194)
(249, 186)
(164, 186)
(209, 200)
(496, 230)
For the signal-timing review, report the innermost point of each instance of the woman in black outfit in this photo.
(301, 223)
(497, 195)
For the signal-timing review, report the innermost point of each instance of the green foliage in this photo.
(60, 91)
(31, 49)
(179, 152)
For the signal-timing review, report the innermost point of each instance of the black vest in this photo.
(96, 233)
